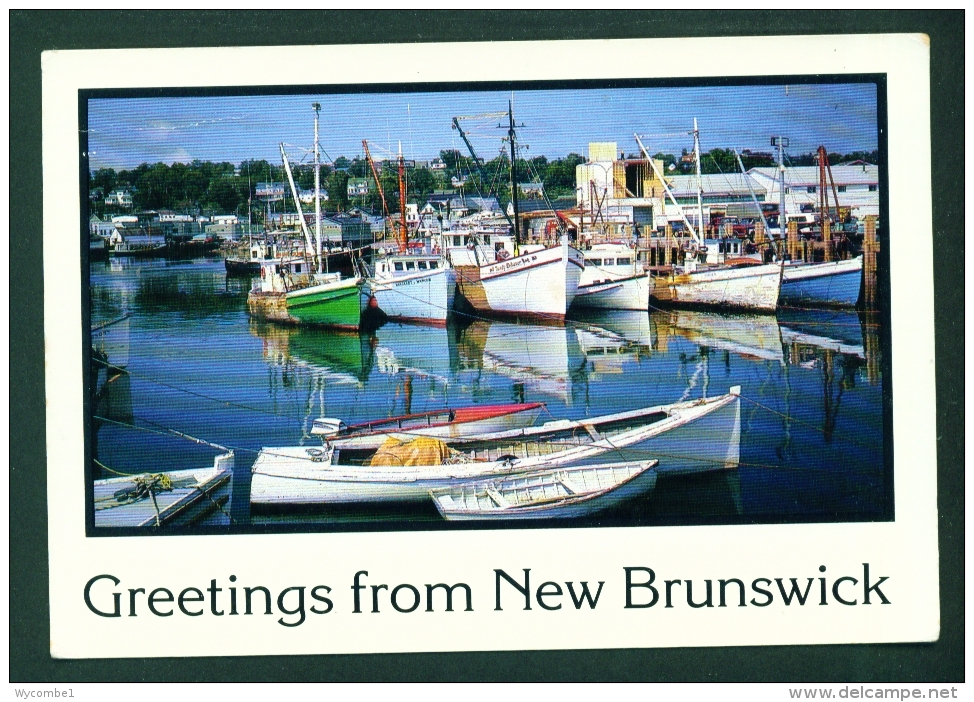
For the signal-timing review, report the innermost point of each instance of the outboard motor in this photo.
(327, 427)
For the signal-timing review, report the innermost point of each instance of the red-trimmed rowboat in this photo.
(442, 424)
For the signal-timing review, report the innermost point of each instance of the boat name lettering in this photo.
(511, 264)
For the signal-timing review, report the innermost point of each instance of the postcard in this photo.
(580, 344)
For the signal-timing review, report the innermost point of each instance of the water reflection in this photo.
(812, 422)
(542, 360)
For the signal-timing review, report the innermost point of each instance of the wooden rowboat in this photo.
(163, 499)
(574, 491)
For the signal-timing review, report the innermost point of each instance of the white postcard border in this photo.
(904, 550)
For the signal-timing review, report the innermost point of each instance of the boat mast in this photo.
(297, 201)
(476, 159)
(378, 185)
(317, 108)
(666, 189)
(696, 153)
(404, 236)
(512, 137)
(781, 142)
(754, 199)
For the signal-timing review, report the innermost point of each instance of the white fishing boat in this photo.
(574, 491)
(414, 287)
(508, 278)
(613, 279)
(693, 436)
(741, 283)
(442, 424)
(165, 498)
(411, 286)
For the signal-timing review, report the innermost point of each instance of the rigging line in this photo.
(813, 426)
(225, 403)
(173, 432)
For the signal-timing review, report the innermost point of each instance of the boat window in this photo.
(610, 262)
(398, 265)
(410, 266)
(297, 268)
(457, 241)
(253, 255)
(433, 265)
(595, 261)
(422, 265)
(623, 261)
(486, 238)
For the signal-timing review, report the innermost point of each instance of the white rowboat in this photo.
(562, 493)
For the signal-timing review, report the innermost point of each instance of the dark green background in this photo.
(33, 32)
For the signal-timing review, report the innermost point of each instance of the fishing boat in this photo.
(441, 423)
(509, 278)
(572, 492)
(164, 499)
(410, 286)
(292, 291)
(287, 292)
(613, 279)
(831, 284)
(693, 436)
(740, 283)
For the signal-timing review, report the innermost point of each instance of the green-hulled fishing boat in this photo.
(288, 294)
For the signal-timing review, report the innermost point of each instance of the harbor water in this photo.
(812, 418)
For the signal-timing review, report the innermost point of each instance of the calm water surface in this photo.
(812, 417)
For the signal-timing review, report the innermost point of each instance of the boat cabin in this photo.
(721, 250)
(282, 275)
(403, 265)
(610, 262)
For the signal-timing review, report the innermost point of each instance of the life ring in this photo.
(502, 254)
(470, 245)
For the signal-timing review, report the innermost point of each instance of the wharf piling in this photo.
(870, 251)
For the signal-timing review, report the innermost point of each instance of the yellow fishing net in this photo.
(422, 451)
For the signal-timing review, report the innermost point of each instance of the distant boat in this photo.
(442, 423)
(688, 437)
(247, 262)
(832, 284)
(613, 279)
(164, 499)
(577, 491)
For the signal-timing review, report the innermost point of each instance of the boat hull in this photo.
(426, 298)
(833, 284)
(584, 492)
(336, 305)
(539, 285)
(749, 288)
(692, 437)
(195, 495)
(623, 294)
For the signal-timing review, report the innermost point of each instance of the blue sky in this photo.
(125, 132)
